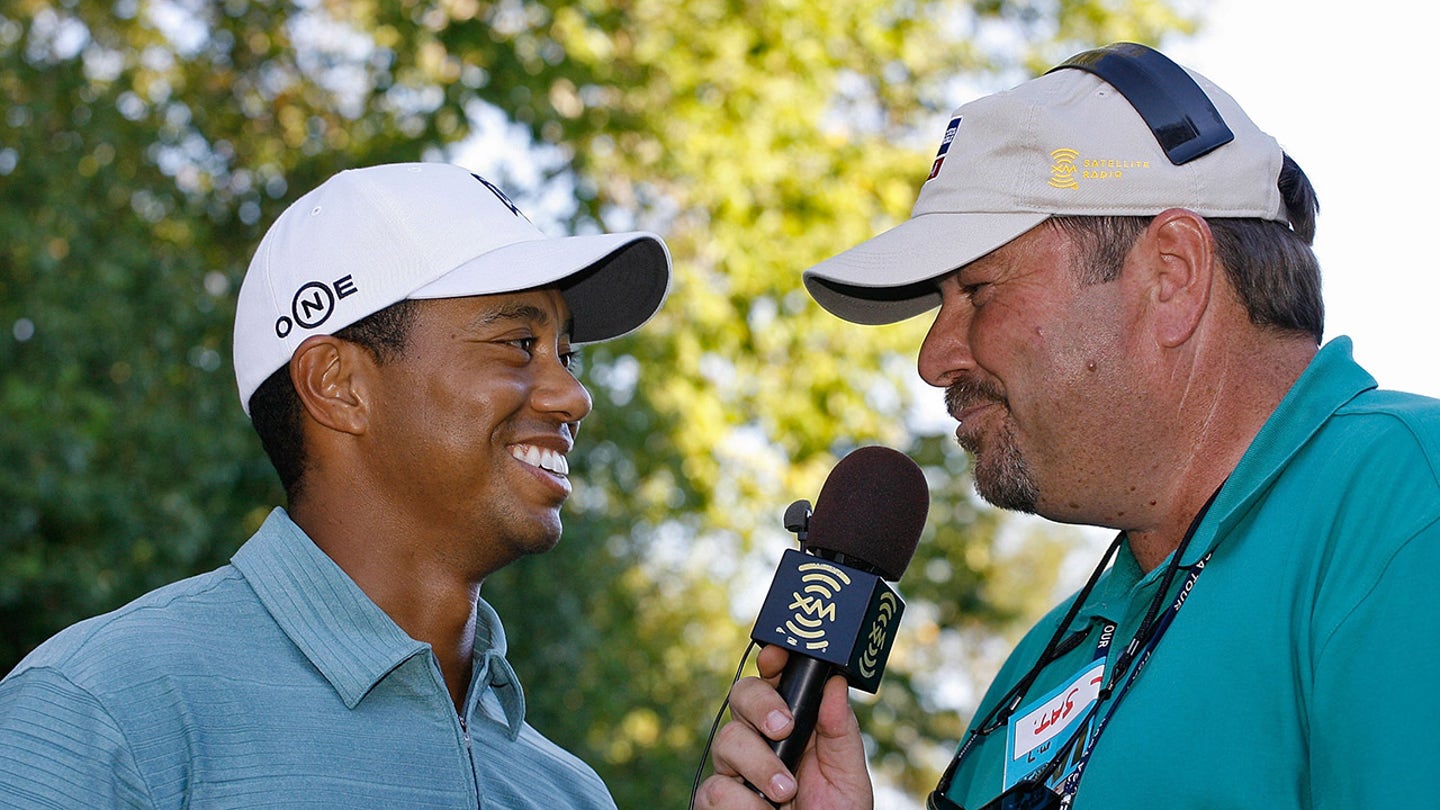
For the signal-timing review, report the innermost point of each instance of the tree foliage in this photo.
(146, 144)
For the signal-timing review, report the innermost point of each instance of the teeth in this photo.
(560, 465)
(542, 458)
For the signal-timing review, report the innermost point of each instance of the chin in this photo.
(547, 538)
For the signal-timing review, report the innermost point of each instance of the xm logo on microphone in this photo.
(877, 643)
(831, 612)
(815, 606)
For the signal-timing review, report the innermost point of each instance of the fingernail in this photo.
(781, 785)
(776, 722)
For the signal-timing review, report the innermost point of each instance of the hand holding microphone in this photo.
(831, 609)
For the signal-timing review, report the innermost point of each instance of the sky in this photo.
(1348, 91)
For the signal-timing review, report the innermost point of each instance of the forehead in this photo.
(1042, 247)
(541, 308)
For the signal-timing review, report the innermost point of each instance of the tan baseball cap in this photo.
(1066, 143)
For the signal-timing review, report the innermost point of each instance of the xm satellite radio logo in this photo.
(831, 612)
(875, 643)
(814, 605)
(1062, 171)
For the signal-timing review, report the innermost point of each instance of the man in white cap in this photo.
(1128, 336)
(403, 341)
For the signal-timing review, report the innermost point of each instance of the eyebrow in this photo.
(521, 312)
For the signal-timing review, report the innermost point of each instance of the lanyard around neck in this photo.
(1142, 645)
(1072, 782)
(1147, 636)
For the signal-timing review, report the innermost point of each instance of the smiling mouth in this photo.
(963, 414)
(541, 457)
(965, 399)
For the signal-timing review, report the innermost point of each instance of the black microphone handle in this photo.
(802, 684)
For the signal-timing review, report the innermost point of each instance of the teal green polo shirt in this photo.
(1302, 669)
(272, 682)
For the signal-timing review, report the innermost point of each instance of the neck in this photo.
(1219, 410)
(426, 597)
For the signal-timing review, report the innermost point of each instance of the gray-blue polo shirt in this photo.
(271, 682)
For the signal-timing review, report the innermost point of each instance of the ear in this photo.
(330, 377)
(1180, 254)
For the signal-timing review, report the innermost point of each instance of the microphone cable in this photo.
(715, 726)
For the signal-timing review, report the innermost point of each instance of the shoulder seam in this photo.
(1324, 646)
(99, 704)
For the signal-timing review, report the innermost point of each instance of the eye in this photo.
(524, 344)
(571, 360)
(970, 291)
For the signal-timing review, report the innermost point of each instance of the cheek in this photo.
(1008, 344)
(446, 412)
(1086, 343)
(1049, 370)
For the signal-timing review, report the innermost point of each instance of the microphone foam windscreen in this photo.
(872, 508)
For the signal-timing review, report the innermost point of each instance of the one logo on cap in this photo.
(313, 304)
(950, 131)
(1062, 171)
(494, 189)
(814, 605)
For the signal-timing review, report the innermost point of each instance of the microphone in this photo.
(830, 605)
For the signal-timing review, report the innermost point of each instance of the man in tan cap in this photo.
(1128, 335)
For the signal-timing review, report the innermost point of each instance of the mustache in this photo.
(967, 393)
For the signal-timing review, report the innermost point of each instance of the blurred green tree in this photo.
(146, 144)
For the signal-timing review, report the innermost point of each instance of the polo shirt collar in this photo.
(490, 669)
(346, 636)
(1112, 592)
(1332, 380)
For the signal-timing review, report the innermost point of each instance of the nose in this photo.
(560, 394)
(945, 354)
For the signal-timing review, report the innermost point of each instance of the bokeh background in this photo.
(146, 144)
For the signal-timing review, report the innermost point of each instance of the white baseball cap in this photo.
(368, 238)
(1066, 143)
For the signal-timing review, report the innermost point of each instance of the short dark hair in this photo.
(1271, 265)
(275, 409)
